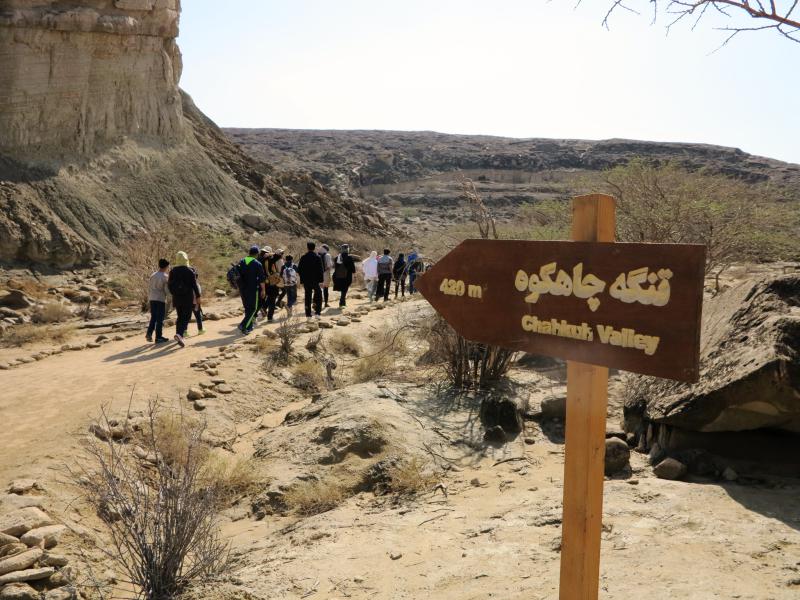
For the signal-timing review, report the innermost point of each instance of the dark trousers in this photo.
(384, 285)
(198, 317)
(158, 311)
(250, 304)
(400, 284)
(184, 316)
(273, 291)
(313, 294)
(326, 292)
(411, 277)
(343, 287)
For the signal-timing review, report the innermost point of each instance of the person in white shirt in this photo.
(157, 296)
(370, 269)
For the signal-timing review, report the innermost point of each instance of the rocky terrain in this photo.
(97, 141)
(477, 519)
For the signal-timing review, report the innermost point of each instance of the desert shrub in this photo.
(232, 477)
(344, 343)
(465, 364)
(373, 366)
(161, 514)
(412, 476)
(264, 345)
(308, 375)
(51, 312)
(288, 332)
(28, 333)
(314, 497)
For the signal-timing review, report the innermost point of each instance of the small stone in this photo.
(13, 549)
(325, 325)
(64, 593)
(23, 520)
(209, 394)
(22, 486)
(93, 345)
(669, 468)
(396, 555)
(6, 539)
(217, 380)
(224, 389)
(27, 575)
(101, 338)
(495, 434)
(212, 372)
(48, 536)
(199, 405)
(618, 456)
(118, 338)
(729, 474)
(220, 293)
(19, 591)
(529, 440)
(554, 407)
(20, 562)
(194, 394)
(475, 482)
(4, 366)
(54, 560)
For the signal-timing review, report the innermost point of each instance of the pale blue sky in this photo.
(521, 68)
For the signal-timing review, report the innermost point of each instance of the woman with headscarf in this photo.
(370, 270)
(185, 292)
(343, 269)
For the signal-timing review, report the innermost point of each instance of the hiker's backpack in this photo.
(234, 276)
(177, 287)
(340, 271)
(289, 276)
(384, 267)
(273, 274)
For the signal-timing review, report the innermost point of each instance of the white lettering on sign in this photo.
(627, 287)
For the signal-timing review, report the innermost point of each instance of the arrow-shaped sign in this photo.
(635, 307)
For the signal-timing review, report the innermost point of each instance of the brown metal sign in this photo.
(634, 307)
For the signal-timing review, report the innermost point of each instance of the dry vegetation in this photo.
(28, 333)
(314, 497)
(308, 375)
(51, 312)
(412, 476)
(344, 343)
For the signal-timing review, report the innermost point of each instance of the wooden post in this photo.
(593, 220)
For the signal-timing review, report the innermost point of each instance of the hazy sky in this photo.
(522, 68)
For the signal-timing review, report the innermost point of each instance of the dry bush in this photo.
(344, 343)
(161, 514)
(232, 477)
(308, 375)
(21, 335)
(314, 497)
(51, 312)
(264, 345)
(412, 476)
(288, 332)
(373, 366)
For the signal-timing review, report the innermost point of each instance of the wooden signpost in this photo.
(598, 304)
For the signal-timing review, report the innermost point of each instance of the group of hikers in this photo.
(268, 280)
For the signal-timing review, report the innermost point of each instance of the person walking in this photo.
(370, 269)
(399, 274)
(412, 268)
(274, 264)
(311, 274)
(252, 288)
(157, 297)
(263, 258)
(289, 277)
(327, 273)
(385, 266)
(196, 308)
(343, 269)
(182, 284)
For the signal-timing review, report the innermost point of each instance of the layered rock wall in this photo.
(73, 78)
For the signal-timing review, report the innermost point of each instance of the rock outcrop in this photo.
(97, 141)
(749, 379)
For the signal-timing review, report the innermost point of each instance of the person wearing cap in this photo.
(327, 272)
(343, 269)
(311, 275)
(251, 287)
(182, 284)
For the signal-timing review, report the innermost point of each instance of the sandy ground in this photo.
(495, 535)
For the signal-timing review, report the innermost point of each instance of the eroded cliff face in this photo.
(97, 141)
(75, 78)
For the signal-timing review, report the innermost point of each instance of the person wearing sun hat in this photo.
(182, 284)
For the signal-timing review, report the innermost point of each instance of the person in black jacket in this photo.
(185, 292)
(399, 274)
(311, 271)
(251, 287)
(343, 269)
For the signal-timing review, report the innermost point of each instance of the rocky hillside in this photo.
(97, 141)
(415, 168)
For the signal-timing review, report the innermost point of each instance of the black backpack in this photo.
(340, 271)
(234, 275)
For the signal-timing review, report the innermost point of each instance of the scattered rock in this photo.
(19, 591)
(20, 561)
(224, 389)
(495, 434)
(23, 520)
(64, 593)
(395, 555)
(669, 468)
(554, 407)
(618, 456)
(195, 394)
(326, 325)
(209, 394)
(48, 536)
(9, 502)
(15, 299)
(199, 405)
(217, 380)
(12, 549)
(22, 486)
(6, 539)
(212, 372)
(27, 575)
(729, 474)
(54, 560)
(529, 440)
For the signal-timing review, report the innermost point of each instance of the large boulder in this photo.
(749, 375)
